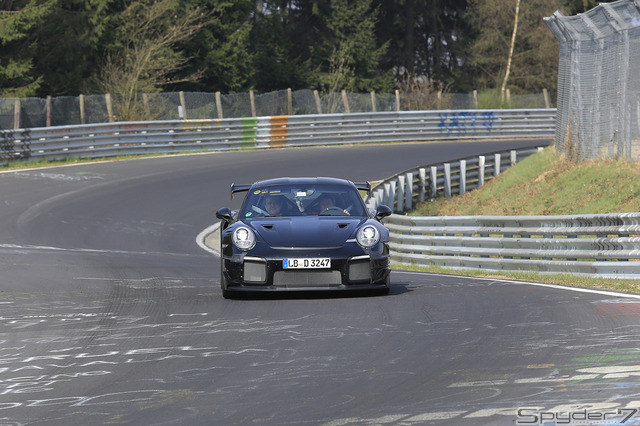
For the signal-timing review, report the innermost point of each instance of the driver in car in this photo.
(326, 201)
(273, 205)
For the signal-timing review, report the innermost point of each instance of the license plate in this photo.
(307, 263)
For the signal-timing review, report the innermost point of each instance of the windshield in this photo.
(303, 200)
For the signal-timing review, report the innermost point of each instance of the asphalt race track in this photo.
(111, 313)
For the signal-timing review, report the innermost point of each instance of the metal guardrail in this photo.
(131, 138)
(403, 191)
(604, 245)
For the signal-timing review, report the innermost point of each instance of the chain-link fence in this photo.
(70, 110)
(599, 81)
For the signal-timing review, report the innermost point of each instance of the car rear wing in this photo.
(238, 188)
(363, 186)
(360, 186)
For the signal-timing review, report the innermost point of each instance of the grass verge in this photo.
(546, 184)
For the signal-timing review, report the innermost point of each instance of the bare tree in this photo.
(511, 48)
(145, 59)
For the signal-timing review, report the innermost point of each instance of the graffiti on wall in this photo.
(466, 122)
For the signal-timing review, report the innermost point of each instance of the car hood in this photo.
(307, 231)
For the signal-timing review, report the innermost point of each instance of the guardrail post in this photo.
(434, 181)
(423, 184)
(447, 180)
(400, 193)
(496, 170)
(481, 160)
(514, 157)
(379, 196)
(463, 176)
(390, 194)
(408, 191)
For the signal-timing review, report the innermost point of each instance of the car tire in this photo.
(387, 289)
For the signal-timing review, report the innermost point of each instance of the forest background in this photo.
(123, 47)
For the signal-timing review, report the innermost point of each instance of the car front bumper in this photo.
(351, 269)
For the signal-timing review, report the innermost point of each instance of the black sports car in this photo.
(304, 234)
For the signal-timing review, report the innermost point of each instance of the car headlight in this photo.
(368, 236)
(244, 238)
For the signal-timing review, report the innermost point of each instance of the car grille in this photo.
(255, 271)
(307, 278)
(360, 270)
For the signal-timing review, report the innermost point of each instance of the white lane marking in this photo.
(202, 236)
(555, 286)
(22, 248)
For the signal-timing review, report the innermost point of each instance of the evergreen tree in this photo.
(348, 54)
(282, 38)
(71, 42)
(18, 45)
(222, 49)
(427, 39)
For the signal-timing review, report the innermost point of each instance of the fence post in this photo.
(318, 104)
(253, 103)
(107, 99)
(48, 111)
(547, 100)
(289, 102)
(373, 101)
(345, 101)
(81, 102)
(219, 105)
(475, 99)
(397, 100)
(16, 114)
(183, 104)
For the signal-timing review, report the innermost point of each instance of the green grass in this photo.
(547, 184)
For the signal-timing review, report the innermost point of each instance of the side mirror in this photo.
(224, 214)
(382, 211)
